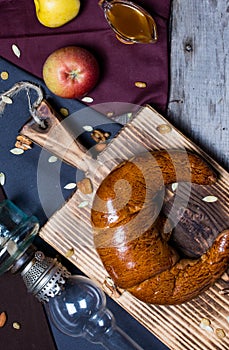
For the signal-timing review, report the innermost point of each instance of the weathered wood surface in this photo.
(199, 88)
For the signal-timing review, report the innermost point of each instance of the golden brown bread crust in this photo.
(146, 174)
(188, 278)
(128, 227)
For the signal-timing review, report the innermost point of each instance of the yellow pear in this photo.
(55, 13)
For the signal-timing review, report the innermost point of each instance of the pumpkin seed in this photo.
(83, 204)
(17, 151)
(206, 328)
(7, 99)
(88, 128)
(70, 186)
(87, 99)
(16, 50)
(2, 179)
(174, 186)
(210, 199)
(16, 325)
(52, 159)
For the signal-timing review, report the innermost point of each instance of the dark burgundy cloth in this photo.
(28, 312)
(121, 65)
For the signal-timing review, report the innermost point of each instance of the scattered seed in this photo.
(16, 325)
(206, 325)
(16, 50)
(207, 328)
(85, 186)
(69, 253)
(129, 115)
(2, 319)
(17, 151)
(107, 134)
(4, 75)
(83, 204)
(110, 287)
(99, 136)
(224, 291)
(23, 146)
(110, 114)
(2, 179)
(7, 99)
(205, 322)
(164, 129)
(210, 199)
(24, 140)
(140, 84)
(88, 128)
(225, 277)
(174, 186)
(64, 111)
(220, 333)
(70, 186)
(52, 159)
(87, 99)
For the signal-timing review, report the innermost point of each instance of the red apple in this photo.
(71, 72)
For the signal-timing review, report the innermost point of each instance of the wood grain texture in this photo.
(70, 227)
(57, 137)
(199, 87)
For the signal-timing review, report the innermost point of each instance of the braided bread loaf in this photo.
(130, 231)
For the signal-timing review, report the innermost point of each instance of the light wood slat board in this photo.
(70, 227)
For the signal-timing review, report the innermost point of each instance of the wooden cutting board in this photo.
(69, 230)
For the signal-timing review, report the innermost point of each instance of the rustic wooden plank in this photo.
(199, 92)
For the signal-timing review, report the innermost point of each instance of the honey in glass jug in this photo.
(131, 23)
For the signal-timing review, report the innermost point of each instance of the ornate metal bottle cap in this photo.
(44, 277)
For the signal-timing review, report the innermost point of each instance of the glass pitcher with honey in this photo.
(130, 22)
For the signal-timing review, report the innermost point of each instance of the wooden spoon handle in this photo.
(57, 139)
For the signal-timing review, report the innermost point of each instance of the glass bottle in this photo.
(77, 306)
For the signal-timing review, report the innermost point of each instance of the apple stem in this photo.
(74, 74)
